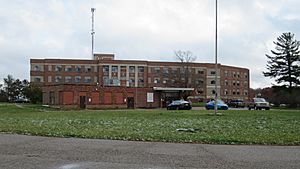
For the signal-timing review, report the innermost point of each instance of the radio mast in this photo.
(93, 31)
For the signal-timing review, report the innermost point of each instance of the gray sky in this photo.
(144, 29)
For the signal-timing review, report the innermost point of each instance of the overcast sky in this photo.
(144, 29)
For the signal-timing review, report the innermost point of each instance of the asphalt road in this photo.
(19, 151)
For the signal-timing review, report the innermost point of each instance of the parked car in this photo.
(236, 103)
(258, 104)
(179, 105)
(220, 105)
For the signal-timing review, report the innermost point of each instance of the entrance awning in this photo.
(172, 89)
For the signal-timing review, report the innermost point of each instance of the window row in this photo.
(235, 74)
(115, 69)
(72, 68)
(72, 79)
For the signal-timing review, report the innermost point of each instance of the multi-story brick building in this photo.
(104, 82)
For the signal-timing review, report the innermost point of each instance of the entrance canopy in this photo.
(172, 89)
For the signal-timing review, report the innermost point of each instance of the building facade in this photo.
(108, 83)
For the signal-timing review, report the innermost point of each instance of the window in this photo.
(77, 79)
(37, 68)
(57, 79)
(233, 83)
(58, 68)
(226, 74)
(157, 80)
(213, 92)
(105, 69)
(88, 69)
(49, 79)
(213, 72)
(68, 79)
(199, 81)
(114, 69)
(131, 69)
(141, 69)
(226, 92)
(141, 80)
(212, 82)
(233, 92)
(165, 70)
(37, 79)
(49, 68)
(238, 83)
(246, 76)
(226, 83)
(78, 68)
(201, 72)
(156, 70)
(87, 79)
(68, 68)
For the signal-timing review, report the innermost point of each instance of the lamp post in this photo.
(216, 60)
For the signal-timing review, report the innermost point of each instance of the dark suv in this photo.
(236, 103)
(179, 105)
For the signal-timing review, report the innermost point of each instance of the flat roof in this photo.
(172, 89)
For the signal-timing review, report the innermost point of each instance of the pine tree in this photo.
(283, 65)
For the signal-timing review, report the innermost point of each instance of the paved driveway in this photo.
(18, 151)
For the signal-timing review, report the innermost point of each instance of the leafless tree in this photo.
(185, 58)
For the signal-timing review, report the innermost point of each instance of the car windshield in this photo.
(259, 100)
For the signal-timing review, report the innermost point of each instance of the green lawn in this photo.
(280, 127)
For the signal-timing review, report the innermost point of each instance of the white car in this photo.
(258, 104)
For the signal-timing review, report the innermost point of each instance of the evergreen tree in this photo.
(283, 64)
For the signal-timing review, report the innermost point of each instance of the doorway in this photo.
(130, 102)
(82, 102)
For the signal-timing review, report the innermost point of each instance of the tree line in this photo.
(13, 89)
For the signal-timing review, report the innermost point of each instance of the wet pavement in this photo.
(19, 151)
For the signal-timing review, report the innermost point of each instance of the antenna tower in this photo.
(93, 31)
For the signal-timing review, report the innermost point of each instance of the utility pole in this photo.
(216, 60)
(93, 31)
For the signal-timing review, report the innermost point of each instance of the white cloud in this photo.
(148, 29)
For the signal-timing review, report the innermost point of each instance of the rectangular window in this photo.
(77, 79)
(68, 79)
(87, 79)
(58, 68)
(37, 79)
(78, 68)
(212, 82)
(213, 72)
(105, 69)
(68, 68)
(201, 72)
(88, 69)
(49, 79)
(165, 70)
(57, 79)
(131, 69)
(36, 67)
(141, 80)
(114, 69)
(49, 68)
(141, 69)
(156, 80)
(156, 70)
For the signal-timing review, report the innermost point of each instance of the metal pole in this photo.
(216, 60)
(93, 32)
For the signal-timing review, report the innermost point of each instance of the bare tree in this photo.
(185, 58)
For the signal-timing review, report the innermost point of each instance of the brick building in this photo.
(108, 83)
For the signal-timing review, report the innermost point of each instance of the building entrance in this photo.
(82, 102)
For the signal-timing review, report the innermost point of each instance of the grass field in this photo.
(278, 127)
